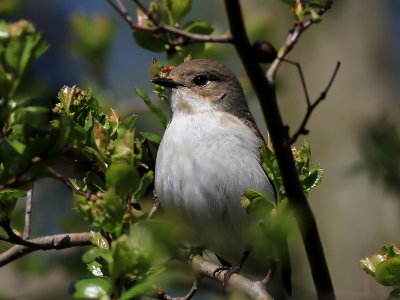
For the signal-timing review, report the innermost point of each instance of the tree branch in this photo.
(265, 91)
(253, 289)
(28, 213)
(188, 37)
(58, 242)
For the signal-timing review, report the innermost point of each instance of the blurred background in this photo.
(354, 134)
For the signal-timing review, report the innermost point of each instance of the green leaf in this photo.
(153, 108)
(122, 177)
(199, 27)
(128, 122)
(99, 240)
(257, 202)
(370, 263)
(28, 113)
(93, 253)
(151, 137)
(144, 183)
(8, 200)
(11, 194)
(63, 127)
(92, 288)
(146, 40)
(18, 146)
(180, 8)
(139, 289)
(95, 268)
(95, 155)
(21, 48)
(388, 272)
(313, 179)
(315, 17)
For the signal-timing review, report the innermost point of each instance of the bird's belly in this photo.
(203, 180)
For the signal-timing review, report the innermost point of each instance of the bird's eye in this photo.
(200, 80)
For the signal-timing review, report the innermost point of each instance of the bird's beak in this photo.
(166, 82)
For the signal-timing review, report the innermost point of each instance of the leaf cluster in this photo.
(130, 268)
(303, 8)
(273, 218)
(110, 171)
(384, 266)
(172, 13)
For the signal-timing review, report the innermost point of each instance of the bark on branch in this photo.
(58, 242)
(253, 289)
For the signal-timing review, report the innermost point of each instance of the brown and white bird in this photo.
(208, 156)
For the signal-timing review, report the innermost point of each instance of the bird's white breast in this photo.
(204, 163)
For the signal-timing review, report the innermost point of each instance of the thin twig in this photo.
(311, 106)
(28, 213)
(291, 41)
(188, 37)
(303, 81)
(58, 242)
(65, 181)
(88, 195)
(164, 296)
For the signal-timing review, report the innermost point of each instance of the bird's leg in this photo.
(230, 270)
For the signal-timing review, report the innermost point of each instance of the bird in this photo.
(208, 156)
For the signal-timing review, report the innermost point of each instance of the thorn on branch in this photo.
(302, 130)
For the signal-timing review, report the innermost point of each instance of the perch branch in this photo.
(265, 91)
(58, 242)
(253, 289)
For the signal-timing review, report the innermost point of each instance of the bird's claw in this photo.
(229, 271)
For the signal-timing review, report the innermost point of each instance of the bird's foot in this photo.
(229, 271)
